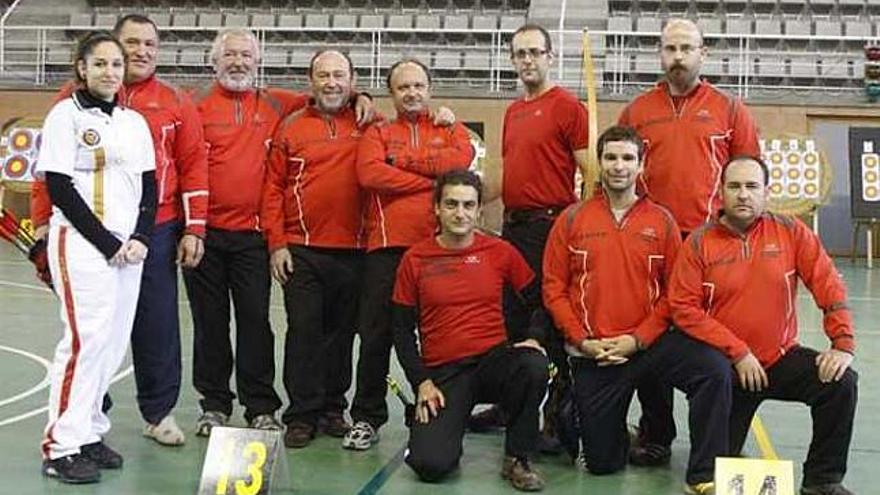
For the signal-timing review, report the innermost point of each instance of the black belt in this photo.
(532, 214)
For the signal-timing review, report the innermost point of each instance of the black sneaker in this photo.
(103, 456)
(649, 455)
(74, 469)
(829, 489)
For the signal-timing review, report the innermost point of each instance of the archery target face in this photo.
(794, 169)
(777, 174)
(871, 177)
(23, 145)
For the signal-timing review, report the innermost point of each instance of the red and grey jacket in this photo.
(397, 164)
(604, 278)
(311, 195)
(181, 162)
(738, 293)
(238, 129)
(687, 145)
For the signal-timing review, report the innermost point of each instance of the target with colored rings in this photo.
(811, 174)
(776, 173)
(794, 173)
(776, 157)
(21, 140)
(870, 176)
(794, 189)
(793, 158)
(871, 193)
(16, 167)
(811, 189)
(776, 189)
(869, 160)
(811, 159)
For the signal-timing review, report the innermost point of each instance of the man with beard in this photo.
(749, 259)
(239, 122)
(690, 130)
(312, 218)
(450, 287)
(182, 184)
(397, 163)
(606, 267)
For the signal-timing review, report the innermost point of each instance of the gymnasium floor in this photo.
(29, 329)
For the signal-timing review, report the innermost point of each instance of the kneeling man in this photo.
(735, 287)
(450, 286)
(606, 266)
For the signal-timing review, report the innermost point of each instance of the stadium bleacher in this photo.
(760, 43)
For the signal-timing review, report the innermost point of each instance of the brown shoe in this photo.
(333, 425)
(521, 475)
(298, 434)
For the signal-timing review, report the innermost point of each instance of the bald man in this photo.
(691, 129)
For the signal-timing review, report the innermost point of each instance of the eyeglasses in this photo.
(684, 49)
(532, 53)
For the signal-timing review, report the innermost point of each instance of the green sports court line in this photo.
(381, 477)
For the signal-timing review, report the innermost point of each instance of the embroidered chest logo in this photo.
(649, 234)
(704, 114)
(538, 112)
(771, 250)
(91, 137)
(472, 260)
(437, 141)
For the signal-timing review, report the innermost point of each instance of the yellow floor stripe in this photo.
(763, 439)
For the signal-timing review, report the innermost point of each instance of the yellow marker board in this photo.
(735, 476)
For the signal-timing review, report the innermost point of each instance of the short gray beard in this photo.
(236, 85)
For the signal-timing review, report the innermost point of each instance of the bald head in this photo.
(681, 25)
(681, 55)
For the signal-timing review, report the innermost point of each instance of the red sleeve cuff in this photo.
(845, 343)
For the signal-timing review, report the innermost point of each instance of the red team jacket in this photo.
(181, 162)
(604, 279)
(238, 128)
(458, 294)
(397, 164)
(738, 293)
(686, 149)
(537, 143)
(311, 195)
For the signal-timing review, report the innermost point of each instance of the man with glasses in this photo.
(544, 143)
(690, 129)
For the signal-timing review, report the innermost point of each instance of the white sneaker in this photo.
(166, 432)
(361, 436)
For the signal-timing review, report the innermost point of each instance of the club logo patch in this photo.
(91, 137)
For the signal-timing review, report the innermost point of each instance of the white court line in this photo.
(41, 410)
(41, 288)
(36, 388)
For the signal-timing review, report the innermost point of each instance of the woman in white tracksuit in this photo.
(98, 161)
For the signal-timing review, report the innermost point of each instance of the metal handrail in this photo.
(614, 61)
